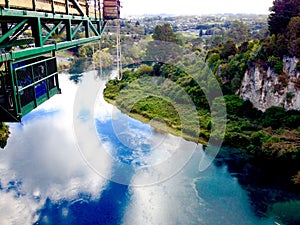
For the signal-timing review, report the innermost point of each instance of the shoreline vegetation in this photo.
(4, 134)
(261, 135)
(159, 125)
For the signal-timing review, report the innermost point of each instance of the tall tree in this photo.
(239, 32)
(293, 34)
(281, 13)
(164, 33)
(165, 46)
(228, 49)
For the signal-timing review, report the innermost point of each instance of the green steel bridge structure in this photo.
(31, 33)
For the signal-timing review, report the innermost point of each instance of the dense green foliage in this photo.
(164, 33)
(239, 32)
(284, 24)
(278, 117)
(259, 133)
(163, 92)
(228, 58)
(230, 63)
(293, 34)
(4, 133)
(281, 14)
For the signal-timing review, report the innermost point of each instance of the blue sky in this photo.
(194, 7)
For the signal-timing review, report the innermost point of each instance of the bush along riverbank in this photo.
(272, 135)
(4, 134)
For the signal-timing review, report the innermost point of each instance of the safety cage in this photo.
(32, 83)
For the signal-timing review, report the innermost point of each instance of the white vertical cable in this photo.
(100, 59)
(93, 61)
(119, 53)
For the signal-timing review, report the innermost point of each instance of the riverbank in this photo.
(159, 125)
(246, 133)
(4, 134)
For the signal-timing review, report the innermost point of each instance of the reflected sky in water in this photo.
(45, 178)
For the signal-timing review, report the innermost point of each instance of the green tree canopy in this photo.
(239, 32)
(164, 33)
(293, 33)
(103, 58)
(281, 13)
(228, 49)
(273, 117)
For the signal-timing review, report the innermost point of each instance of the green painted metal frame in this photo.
(43, 25)
(12, 30)
(51, 32)
(36, 101)
(45, 49)
(93, 28)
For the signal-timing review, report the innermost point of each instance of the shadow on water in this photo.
(268, 184)
(80, 66)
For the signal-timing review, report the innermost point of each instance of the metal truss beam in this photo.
(52, 32)
(76, 30)
(47, 49)
(12, 30)
(43, 28)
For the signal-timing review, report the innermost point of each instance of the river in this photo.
(54, 171)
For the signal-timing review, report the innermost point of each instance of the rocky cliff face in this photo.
(266, 88)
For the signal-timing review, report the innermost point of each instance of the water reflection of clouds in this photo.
(17, 210)
(170, 202)
(43, 156)
(135, 143)
(137, 136)
(124, 151)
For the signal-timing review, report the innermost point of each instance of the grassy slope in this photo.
(158, 111)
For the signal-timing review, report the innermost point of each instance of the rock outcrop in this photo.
(266, 88)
